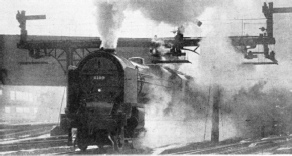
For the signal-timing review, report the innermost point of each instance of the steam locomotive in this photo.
(107, 95)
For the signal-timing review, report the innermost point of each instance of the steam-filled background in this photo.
(31, 104)
(255, 99)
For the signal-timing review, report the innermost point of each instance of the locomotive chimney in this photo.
(109, 50)
(113, 51)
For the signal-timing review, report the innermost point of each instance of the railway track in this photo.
(22, 139)
(56, 146)
(17, 137)
(240, 147)
(12, 132)
(260, 146)
(211, 149)
(34, 143)
(249, 150)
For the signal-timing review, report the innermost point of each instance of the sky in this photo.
(77, 18)
(69, 18)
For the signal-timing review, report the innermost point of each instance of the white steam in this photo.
(110, 14)
(173, 12)
(219, 63)
(249, 105)
(179, 125)
(110, 17)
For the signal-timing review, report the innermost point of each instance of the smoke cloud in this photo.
(170, 120)
(110, 14)
(181, 118)
(109, 21)
(252, 93)
(249, 107)
(259, 112)
(175, 13)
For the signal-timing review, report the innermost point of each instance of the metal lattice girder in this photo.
(65, 57)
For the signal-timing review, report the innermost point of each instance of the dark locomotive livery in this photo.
(107, 94)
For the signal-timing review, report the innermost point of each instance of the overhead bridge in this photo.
(69, 47)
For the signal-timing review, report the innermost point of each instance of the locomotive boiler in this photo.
(107, 95)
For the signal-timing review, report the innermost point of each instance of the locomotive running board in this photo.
(170, 61)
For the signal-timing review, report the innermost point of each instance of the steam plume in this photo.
(110, 14)
(175, 13)
(246, 100)
(260, 112)
(109, 20)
